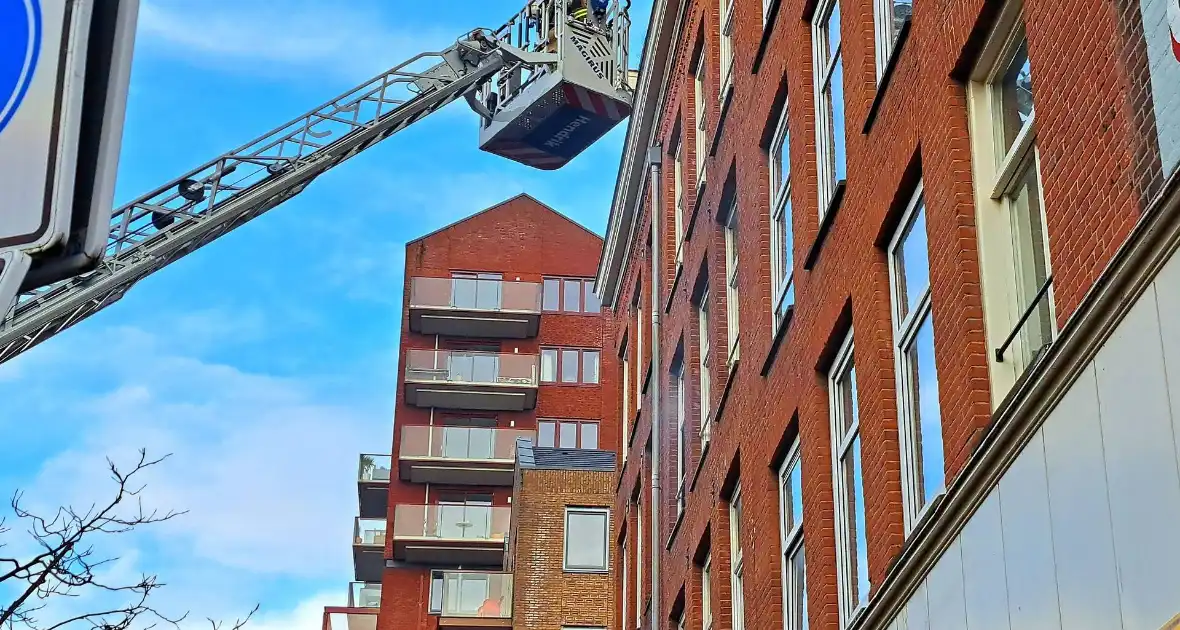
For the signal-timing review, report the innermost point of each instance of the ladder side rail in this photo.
(139, 252)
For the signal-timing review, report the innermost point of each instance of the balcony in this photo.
(477, 381)
(475, 307)
(373, 485)
(464, 456)
(450, 534)
(364, 595)
(339, 618)
(368, 549)
(475, 600)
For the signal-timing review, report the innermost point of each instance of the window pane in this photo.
(569, 435)
(902, 10)
(549, 365)
(591, 302)
(546, 433)
(855, 506)
(569, 366)
(792, 498)
(784, 241)
(1032, 268)
(589, 366)
(573, 296)
(1016, 95)
(781, 158)
(928, 423)
(552, 294)
(913, 263)
(839, 153)
(833, 28)
(585, 540)
(799, 590)
(436, 592)
(589, 435)
(848, 397)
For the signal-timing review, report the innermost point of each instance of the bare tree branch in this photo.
(66, 563)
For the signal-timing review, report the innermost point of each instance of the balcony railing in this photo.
(476, 368)
(476, 523)
(375, 468)
(364, 595)
(369, 532)
(471, 594)
(461, 443)
(475, 294)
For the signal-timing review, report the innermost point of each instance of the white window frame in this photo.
(885, 33)
(766, 13)
(825, 65)
(725, 49)
(732, 299)
(707, 593)
(678, 197)
(705, 365)
(782, 271)
(791, 544)
(626, 433)
(699, 116)
(848, 572)
(640, 371)
(737, 562)
(626, 582)
(997, 173)
(905, 332)
(639, 534)
(565, 564)
(681, 435)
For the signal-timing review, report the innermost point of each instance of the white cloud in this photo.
(345, 39)
(307, 615)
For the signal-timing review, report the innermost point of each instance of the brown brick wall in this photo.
(1096, 175)
(524, 240)
(545, 597)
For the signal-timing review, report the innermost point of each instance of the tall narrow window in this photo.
(1018, 284)
(782, 242)
(829, 101)
(919, 419)
(639, 561)
(681, 431)
(626, 402)
(726, 49)
(794, 565)
(698, 92)
(626, 581)
(640, 370)
(548, 365)
(851, 542)
(888, 18)
(736, 561)
(707, 594)
(706, 367)
(678, 191)
(732, 327)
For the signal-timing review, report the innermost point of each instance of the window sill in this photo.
(675, 285)
(726, 101)
(696, 210)
(586, 571)
(775, 343)
(731, 372)
(646, 378)
(696, 473)
(675, 528)
(903, 33)
(825, 225)
(767, 30)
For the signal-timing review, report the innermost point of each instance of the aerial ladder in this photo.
(547, 84)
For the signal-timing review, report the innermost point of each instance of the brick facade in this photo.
(545, 596)
(525, 241)
(1094, 132)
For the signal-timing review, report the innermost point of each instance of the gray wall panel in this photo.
(1141, 468)
(985, 585)
(944, 591)
(1028, 541)
(1167, 293)
(1083, 541)
(916, 612)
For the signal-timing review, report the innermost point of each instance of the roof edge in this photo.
(497, 205)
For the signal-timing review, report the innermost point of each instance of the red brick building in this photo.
(501, 340)
(886, 276)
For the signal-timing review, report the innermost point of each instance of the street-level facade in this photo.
(896, 302)
(501, 341)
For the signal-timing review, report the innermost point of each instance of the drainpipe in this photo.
(654, 159)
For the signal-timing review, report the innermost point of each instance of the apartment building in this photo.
(501, 340)
(897, 310)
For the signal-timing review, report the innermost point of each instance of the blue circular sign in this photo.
(20, 41)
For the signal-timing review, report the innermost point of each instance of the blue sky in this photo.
(266, 361)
